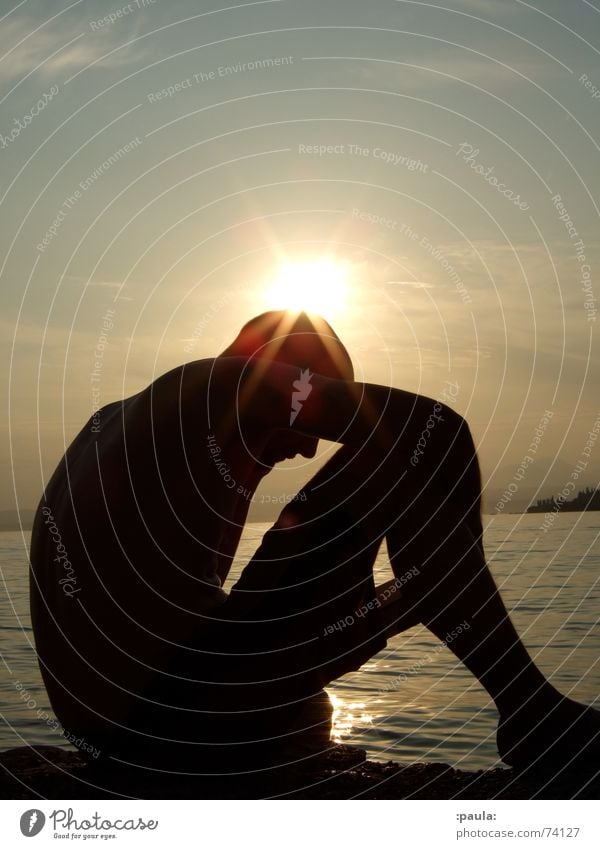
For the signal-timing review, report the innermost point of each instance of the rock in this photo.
(343, 772)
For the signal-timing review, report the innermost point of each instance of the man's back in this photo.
(123, 549)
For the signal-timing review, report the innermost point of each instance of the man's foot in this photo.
(564, 734)
(310, 733)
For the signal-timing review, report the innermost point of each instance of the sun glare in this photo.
(318, 286)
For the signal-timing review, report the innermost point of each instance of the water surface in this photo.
(412, 701)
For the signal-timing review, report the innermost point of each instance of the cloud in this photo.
(62, 46)
(115, 285)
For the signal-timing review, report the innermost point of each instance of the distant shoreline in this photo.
(585, 501)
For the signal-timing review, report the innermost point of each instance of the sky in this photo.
(161, 161)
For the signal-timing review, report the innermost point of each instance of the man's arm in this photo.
(261, 395)
(231, 537)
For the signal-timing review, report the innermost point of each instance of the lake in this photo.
(550, 583)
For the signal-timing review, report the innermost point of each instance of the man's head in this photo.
(297, 339)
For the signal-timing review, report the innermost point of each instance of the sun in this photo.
(316, 286)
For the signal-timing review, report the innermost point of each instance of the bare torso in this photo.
(135, 537)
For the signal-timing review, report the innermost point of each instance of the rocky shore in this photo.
(343, 773)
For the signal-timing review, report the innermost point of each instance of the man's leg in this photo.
(430, 515)
(305, 609)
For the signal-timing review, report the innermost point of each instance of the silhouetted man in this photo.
(145, 656)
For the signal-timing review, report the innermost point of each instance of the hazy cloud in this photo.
(63, 45)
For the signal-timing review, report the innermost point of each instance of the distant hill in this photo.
(586, 499)
(517, 489)
(10, 520)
